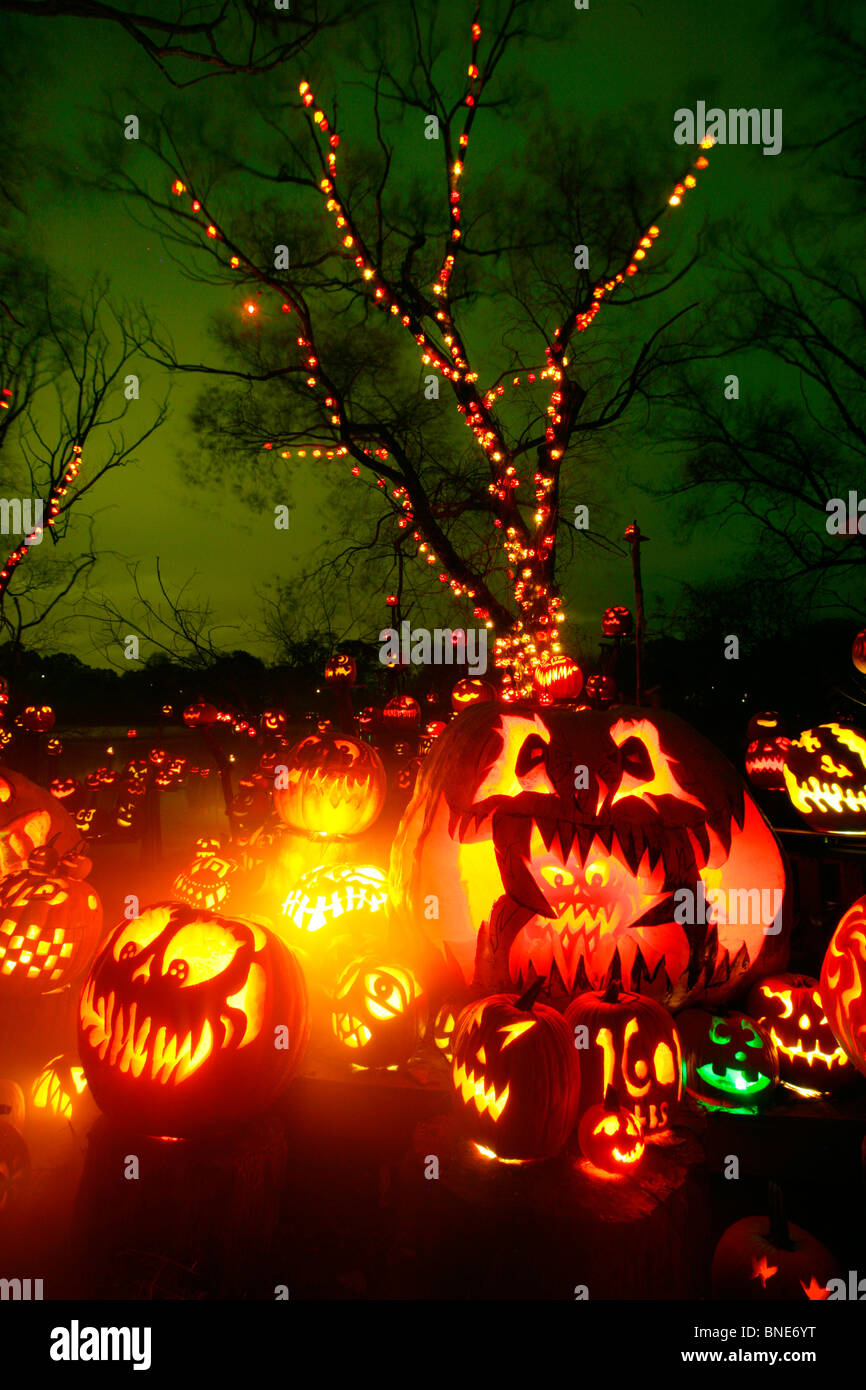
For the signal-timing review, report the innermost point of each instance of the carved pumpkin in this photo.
(442, 1033)
(12, 1107)
(335, 786)
(431, 732)
(50, 922)
(469, 690)
(632, 1045)
(335, 913)
(250, 804)
(208, 880)
(560, 677)
(617, 622)
(190, 1021)
(402, 709)
(601, 691)
(201, 714)
(4, 692)
(54, 747)
(516, 1076)
(59, 1085)
(66, 789)
(843, 983)
(766, 751)
(858, 651)
(825, 777)
(274, 721)
(611, 1137)
(38, 718)
(14, 1164)
(729, 1063)
(29, 818)
(789, 1008)
(560, 844)
(341, 670)
(768, 1259)
(378, 1012)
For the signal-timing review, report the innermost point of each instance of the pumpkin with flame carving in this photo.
(563, 845)
(825, 777)
(790, 1009)
(190, 1021)
(332, 785)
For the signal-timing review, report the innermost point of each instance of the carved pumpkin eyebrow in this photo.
(514, 1030)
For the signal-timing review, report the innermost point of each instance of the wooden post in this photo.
(635, 540)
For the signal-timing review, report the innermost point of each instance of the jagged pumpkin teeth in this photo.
(560, 843)
(179, 1016)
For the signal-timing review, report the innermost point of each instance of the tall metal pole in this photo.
(635, 540)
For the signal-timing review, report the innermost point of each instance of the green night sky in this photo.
(618, 57)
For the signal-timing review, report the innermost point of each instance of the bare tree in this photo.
(316, 375)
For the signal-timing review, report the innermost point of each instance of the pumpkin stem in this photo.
(611, 1099)
(611, 993)
(527, 1000)
(779, 1233)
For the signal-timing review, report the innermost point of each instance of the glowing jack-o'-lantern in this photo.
(766, 751)
(208, 880)
(12, 1106)
(825, 777)
(601, 691)
(336, 911)
(66, 789)
(729, 1063)
(402, 709)
(560, 844)
(200, 715)
(14, 1164)
(38, 718)
(843, 983)
(769, 1259)
(59, 1084)
(469, 690)
(274, 721)
(858, 651)
(617, 622)
(789, 1008)
(335, 785)
(341, 670)
(559, 677)
(516, 1076)
(632, 1045)
(50, 921)
(378, 1013)
(611, 1137)
(29, 818)
(190, 1021)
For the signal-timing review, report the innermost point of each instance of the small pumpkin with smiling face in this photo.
(729, 1063)
(516, 1075)
(611, 1137)
(190, 1021)
(790, 1009)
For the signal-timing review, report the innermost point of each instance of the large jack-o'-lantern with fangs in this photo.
(564, 845)
(181, 1020)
